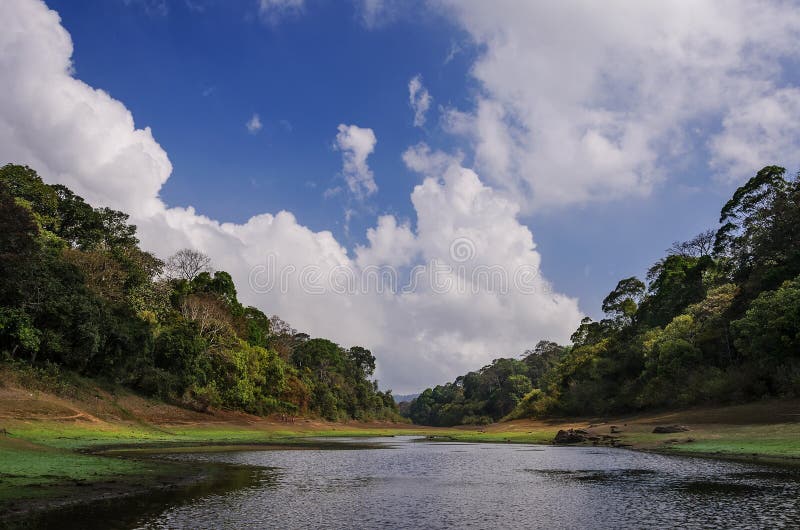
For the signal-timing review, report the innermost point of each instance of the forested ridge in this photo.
(716, 320)
(78, 295)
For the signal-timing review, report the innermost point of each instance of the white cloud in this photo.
(581, 102)
(273, 10)
(764, 130)
(421, 159)
(389, 243)
(459, 328)
(420, 100)
(356, 144)
(254, 124)
(79, 136)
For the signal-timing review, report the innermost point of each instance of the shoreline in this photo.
(183, 476)
(189, 479)
(58, 452)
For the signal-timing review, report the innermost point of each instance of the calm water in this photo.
(413, 484)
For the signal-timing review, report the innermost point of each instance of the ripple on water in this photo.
(433, 485)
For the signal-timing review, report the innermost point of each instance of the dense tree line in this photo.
(77, 292)
(716, 320)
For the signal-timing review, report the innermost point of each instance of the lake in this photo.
(412, 483)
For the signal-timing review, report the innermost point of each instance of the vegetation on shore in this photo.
(77, 294)
(717, 321)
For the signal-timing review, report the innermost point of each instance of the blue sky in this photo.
(598, 135)
(195, 77)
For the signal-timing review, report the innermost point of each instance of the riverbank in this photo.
(767, 430)
(89, 443)
(57, 450)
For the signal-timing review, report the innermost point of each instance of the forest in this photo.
(715, 321)
(79, 296)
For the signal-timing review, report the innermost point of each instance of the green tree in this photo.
(622, 303)
(675, 282)
(512, 391)
(27, 187)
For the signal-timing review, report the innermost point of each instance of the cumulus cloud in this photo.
(356, 144)
(254, 125)
(580, 103)
(81, 137)
(420, 100)
(470, 232)
(421, 159)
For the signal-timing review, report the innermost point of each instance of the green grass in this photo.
(37, 472)
(71, 436)
(54, 459)
(533, 437)
(782, 441)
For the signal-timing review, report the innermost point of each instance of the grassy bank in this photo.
(48, 463)
(77, 441)
(766, 430)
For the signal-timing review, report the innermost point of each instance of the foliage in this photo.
(768, 337)
(77, 293)
(490, 393)
(718, 320)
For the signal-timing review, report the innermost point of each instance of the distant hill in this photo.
(405, 398)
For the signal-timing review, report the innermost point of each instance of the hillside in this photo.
(77, 293)
(716, 321)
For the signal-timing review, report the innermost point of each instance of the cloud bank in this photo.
(582, 103)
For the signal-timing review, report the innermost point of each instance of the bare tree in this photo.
(210, 315)
(187, 263)
(700, 245)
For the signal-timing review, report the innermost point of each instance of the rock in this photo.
(569, 436)
(669, 429)
(614, 429)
